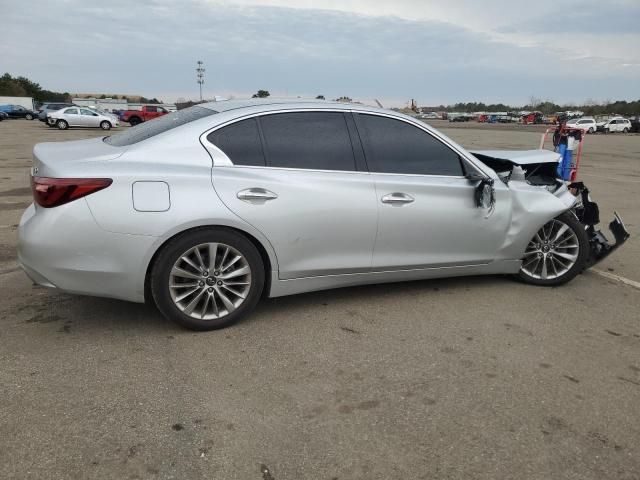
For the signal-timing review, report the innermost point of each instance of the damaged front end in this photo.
(588, 213)
(539, 168)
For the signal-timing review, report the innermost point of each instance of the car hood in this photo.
(521, 157)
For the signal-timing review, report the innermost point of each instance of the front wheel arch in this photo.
(584, 252)
(266, 260)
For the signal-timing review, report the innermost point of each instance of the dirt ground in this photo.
(470, 378)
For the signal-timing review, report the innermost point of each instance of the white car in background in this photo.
(81, 117)
(617, 124)
(100, 111)
(587, 124)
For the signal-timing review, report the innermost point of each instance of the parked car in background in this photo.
(462, 117)
(586, 124)
(618, 124)
(18, 111)
(47, 108)
(533, 118)
(81, 117)
(210, 208)
(148, 112)
(428, 116)
(105, 113)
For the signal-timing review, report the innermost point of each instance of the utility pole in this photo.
(200, 75)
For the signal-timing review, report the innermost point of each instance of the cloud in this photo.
(350, 48)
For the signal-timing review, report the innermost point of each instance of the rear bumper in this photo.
(64, 248)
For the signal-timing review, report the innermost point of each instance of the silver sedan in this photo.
(81, 117)
(205, 210)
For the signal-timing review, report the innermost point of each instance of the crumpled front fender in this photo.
(532, 207)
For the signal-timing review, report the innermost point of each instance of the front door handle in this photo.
(256, 195)
(397, 198)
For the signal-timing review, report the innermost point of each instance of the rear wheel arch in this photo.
(266, 259)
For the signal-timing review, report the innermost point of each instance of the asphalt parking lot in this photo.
(470, 378)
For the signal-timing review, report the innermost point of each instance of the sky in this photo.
(433, 51)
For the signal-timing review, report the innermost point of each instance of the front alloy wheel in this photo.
(208, 278)
(556, 253)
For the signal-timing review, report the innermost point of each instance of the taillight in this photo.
(53, 192)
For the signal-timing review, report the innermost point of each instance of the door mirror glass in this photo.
(485, 194)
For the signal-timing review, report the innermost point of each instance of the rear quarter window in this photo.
(241, 142)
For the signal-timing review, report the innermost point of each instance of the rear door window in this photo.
(241, 142)
(395, 146)
(308, 140)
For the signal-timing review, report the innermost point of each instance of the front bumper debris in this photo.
(600, 246)
(589, 215)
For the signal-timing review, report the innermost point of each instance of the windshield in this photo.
(159, 125)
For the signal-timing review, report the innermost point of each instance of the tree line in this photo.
(23, 87)
(620, 107)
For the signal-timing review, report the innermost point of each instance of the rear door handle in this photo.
(256, 195)
(397, 198)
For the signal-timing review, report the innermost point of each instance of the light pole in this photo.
(200, 75)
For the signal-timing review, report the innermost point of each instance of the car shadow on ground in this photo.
(104, 314)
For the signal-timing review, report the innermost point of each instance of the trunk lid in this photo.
(61, 159)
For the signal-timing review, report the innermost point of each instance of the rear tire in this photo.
(557, 252)
(198, 293)
(104, 125)
(62, 124)
(590, 130)
(625, 130)
(28, 116)
(134, 121)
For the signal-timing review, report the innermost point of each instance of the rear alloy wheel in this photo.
(62, 124)
(28, 116)
(591, 130)
(105, 125)
(557, 252)
(625, 130)
(207, 279)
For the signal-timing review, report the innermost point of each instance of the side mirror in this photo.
(485, 194)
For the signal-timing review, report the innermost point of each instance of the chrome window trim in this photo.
(220, 159)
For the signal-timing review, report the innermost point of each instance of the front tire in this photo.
(105, 125)
(591, 130)
(557, 252)
(28, 116)
(207, 279)
(62, 125)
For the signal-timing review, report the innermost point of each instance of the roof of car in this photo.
(274, 104)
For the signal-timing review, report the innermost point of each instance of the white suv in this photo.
(617, 124)
(587, 124)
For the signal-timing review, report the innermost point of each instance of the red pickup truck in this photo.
(148, 112)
